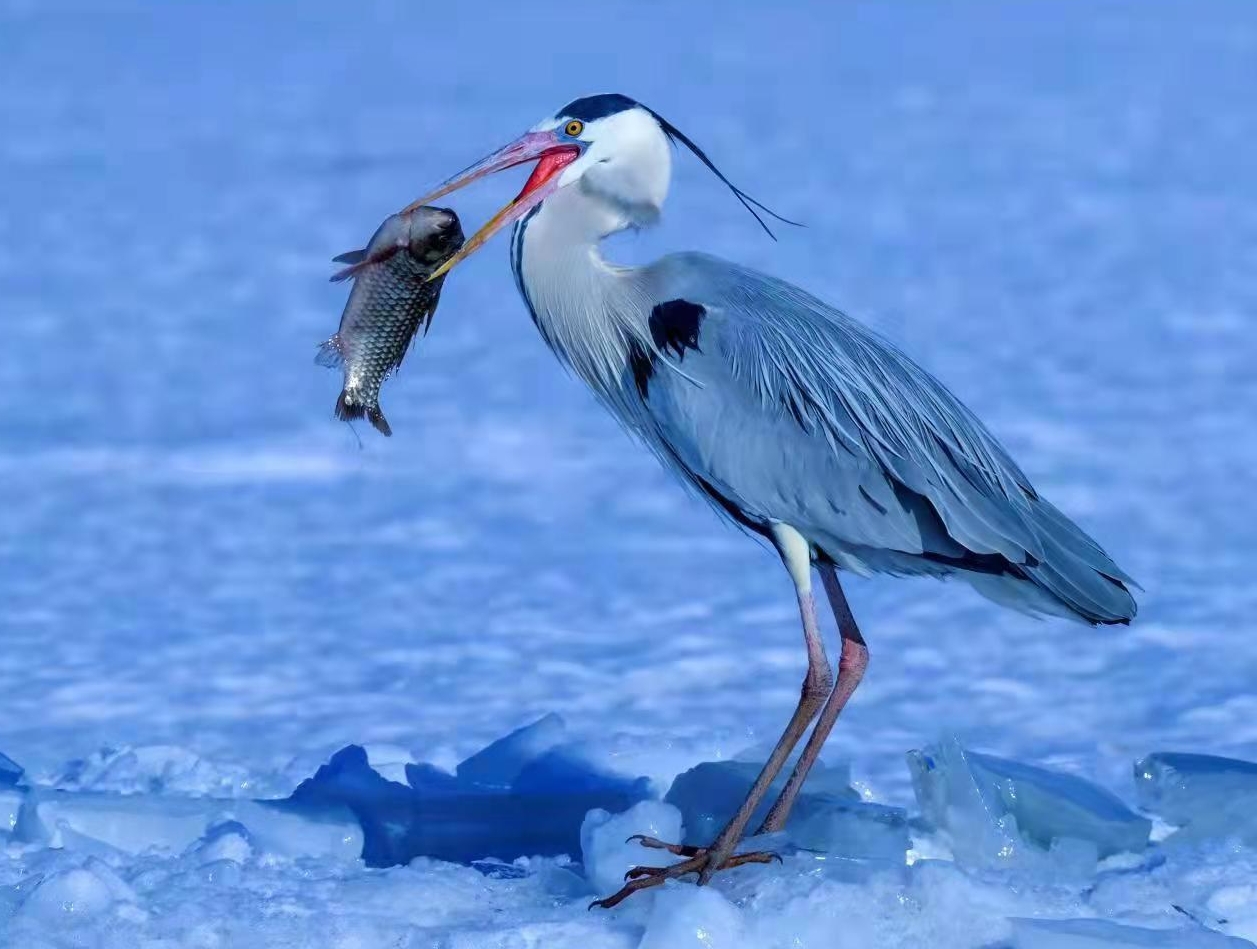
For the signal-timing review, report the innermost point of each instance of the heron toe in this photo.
(700, 861)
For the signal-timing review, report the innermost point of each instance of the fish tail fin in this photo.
(377, 419)
(348, 408)
(330, 353)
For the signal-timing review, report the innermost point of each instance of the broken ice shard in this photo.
(499, 764)
(847, 828)
(521, 796)
(10, 771)
(1205, 796)
(709, 793)
(993, 808)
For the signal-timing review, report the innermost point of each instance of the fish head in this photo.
(434, 234)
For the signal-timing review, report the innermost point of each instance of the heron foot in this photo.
(700, 861)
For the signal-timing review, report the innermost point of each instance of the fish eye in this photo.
(574, 127)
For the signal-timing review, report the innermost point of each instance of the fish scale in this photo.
(391, 299)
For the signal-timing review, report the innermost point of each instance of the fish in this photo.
(391, 301)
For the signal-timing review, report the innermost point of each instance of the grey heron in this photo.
(796, 422)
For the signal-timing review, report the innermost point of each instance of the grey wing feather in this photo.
(912, 469)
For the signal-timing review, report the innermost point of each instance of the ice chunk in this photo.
(1237, 905)
(443, 816)
(839, 825)
(430, 779)
(80, 892)
(292, 830)
(691, 917)
(709, 793)
(138, 823)
(11, 800)
(1204, 795)
(993, 808)
(226, 841)
(562, 773)
(499, 764)
(1103, 934)
(153, 769)
(10, 771)
(130, 823)
(389, 761)
(606, 852)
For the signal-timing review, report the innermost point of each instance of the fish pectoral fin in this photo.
(364, 261)
(350, 256)
(330, 354)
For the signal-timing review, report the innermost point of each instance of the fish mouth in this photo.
(552, 156)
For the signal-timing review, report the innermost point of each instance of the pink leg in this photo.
(851, 665)
(817, 683)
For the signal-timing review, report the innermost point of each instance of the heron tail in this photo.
(1077, 572)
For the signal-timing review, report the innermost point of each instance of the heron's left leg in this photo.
(817, 684)
(852, 662)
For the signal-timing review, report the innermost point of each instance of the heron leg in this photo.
(817, 683)
(851, 665)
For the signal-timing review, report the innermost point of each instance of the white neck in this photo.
(591, 313)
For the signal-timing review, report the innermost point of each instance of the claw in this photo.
(635, 872)
(643, 878)
(681, 850)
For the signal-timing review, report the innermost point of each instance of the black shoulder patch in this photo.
(674, 326)
(642, 365)
(592, 108)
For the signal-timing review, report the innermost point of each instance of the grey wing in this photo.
(836, 429)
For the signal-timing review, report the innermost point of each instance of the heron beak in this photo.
(551, 155)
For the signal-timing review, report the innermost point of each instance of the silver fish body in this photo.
(390, 302)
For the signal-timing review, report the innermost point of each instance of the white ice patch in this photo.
(608, 854)
(688, 917)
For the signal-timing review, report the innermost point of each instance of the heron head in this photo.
(613, 148)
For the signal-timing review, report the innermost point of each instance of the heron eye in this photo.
(574, 127)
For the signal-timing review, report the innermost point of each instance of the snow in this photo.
(1101, 934)
(348, 856)
(209, 589)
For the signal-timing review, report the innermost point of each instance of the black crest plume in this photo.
(592, 108)
(748, 202)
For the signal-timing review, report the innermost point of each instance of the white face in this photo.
(627, 161)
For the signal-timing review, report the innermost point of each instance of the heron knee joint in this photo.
(817, 684)
(854, 659)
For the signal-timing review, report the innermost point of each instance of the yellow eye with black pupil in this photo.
(574, 127)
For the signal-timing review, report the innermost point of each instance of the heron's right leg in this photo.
(817, 684)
